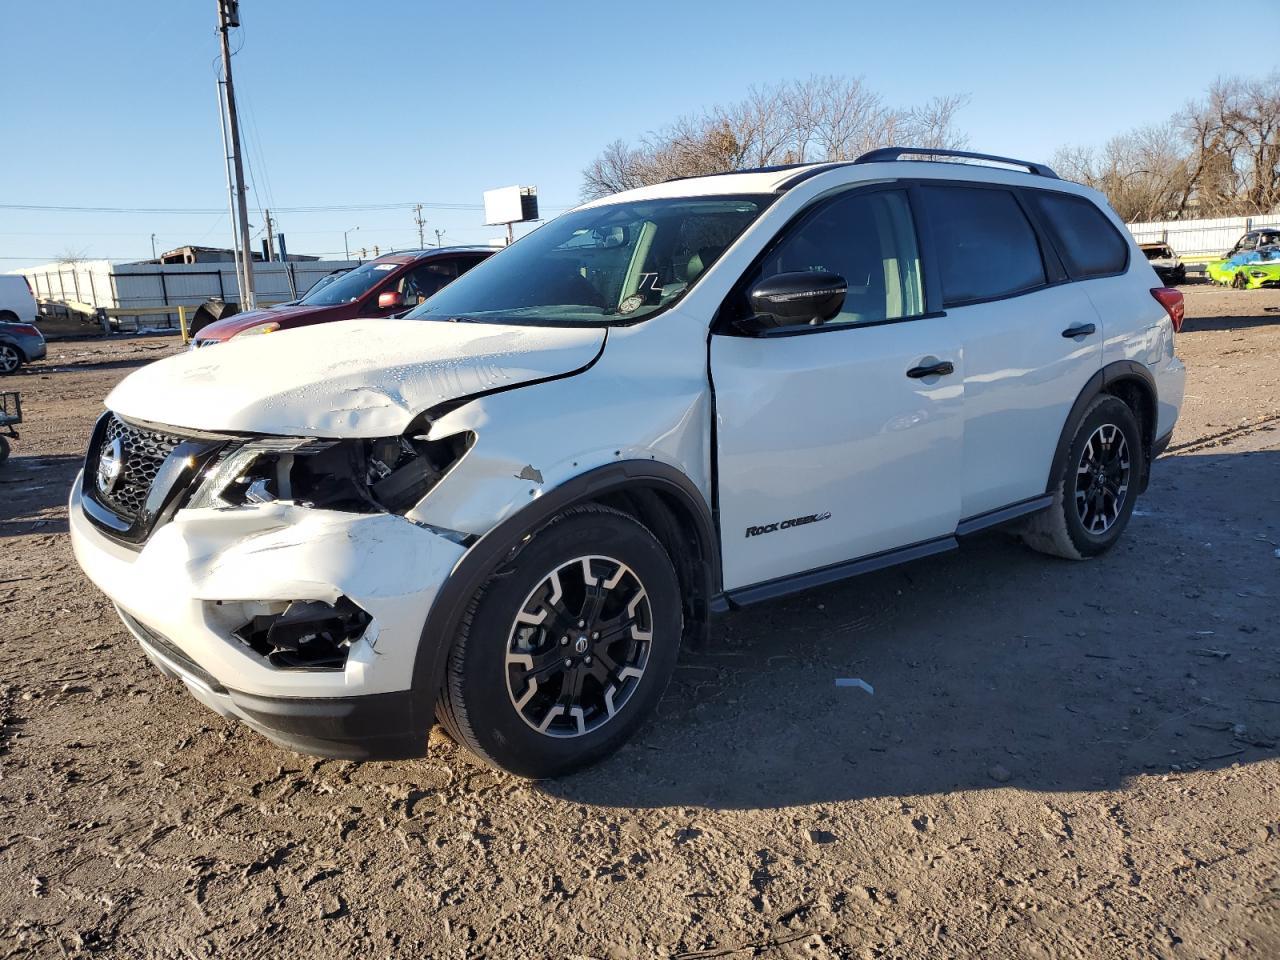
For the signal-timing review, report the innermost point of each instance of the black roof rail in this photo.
(886, 154)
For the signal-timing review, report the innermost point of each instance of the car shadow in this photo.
(1260, 318)
(990, 666)
(34, 492)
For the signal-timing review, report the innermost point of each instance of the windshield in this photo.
(349, 286)
(611, 264)
(1157, 253)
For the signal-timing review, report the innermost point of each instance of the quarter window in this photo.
(868, 239)
(984, 244)
(1088, 242)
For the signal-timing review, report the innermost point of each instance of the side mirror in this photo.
(389, 300)
(793, 299)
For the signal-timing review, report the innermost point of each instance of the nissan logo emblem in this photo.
(110, 465)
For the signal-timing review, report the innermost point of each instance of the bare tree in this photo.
(817, 119)
(1218, 156)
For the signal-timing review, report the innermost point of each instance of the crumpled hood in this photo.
(354, 378)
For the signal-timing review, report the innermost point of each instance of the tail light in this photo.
(1173, 304)
(26, 328)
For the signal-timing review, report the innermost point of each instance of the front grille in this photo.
(142, 453)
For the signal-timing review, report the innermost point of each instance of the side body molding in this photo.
(625, 477)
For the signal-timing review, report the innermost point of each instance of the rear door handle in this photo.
(939, 369)
(1082, 330)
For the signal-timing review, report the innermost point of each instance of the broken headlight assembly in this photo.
(360, 476)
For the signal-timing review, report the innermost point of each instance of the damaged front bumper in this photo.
(199, 591)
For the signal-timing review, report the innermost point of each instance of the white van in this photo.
(17, 305)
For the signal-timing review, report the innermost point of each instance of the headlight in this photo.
(359, 476)
(271, 327)
(1257, 273)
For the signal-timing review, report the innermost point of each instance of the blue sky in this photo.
(113, 104)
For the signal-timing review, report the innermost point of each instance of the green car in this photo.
(1246, 276)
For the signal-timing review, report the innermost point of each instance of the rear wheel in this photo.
(567, 648)
(1095, 492)
(10, 358)
(4, 450)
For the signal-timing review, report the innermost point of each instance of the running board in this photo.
(993, 518)
(783, 586)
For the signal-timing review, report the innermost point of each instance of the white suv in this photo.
(509, 509)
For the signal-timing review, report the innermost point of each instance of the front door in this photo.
(830, 444)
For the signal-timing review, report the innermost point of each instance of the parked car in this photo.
(324, 281)
(1166, 263)
(1247, 270)
(509, 509)
(1253, 240)
(17, 304)
(19, 343)
(379, 288)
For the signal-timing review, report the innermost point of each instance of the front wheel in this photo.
(567, 648)
(1094, 494)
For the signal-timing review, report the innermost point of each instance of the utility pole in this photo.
(153, 246)
(271, 250)
(229, 17)
(417, 218)
(231, 194)
(439, 234)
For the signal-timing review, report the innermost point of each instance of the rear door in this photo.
(1031, 339)
(828, 448)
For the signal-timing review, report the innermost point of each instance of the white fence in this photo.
(1191, 238)
(101, 283)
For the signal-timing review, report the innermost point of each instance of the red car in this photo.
(382, 287)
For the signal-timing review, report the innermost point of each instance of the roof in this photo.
(407, 256)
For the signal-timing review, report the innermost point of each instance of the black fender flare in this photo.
(495, 547)
(1100, 382)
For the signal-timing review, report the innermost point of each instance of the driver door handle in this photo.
(939, 369)
(1082, 330)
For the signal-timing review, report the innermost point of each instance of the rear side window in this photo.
(1089, 243)
(985, 246)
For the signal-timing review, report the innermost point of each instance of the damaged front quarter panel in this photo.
(532, 440)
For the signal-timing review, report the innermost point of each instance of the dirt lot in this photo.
(1059, 760)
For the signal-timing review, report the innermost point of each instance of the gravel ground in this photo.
(1059, 760)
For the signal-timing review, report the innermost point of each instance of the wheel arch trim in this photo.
(496, 546)
(1117, 372)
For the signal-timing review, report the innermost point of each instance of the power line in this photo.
(212, 211)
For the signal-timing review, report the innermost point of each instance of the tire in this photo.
(4, 450)
(10, 358)
(1091, 508)
(1239, 281)
(526, 620)
(8, 316)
